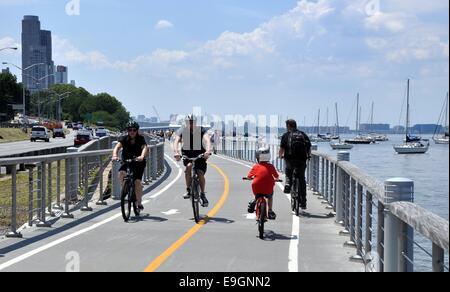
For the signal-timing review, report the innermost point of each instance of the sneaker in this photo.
(205, 202)
(251, 207)
(303, 206)
(188, 195)
(141, 207)
(272, 215)
(287, 189)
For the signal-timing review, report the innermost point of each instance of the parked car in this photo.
(40, 133)
(69, 125)
(59, 133)
(82, 137)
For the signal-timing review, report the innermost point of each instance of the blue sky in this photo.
(250, 56)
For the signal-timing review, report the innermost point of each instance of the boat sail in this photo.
(438, 137)
(339, 145)
(411, 147)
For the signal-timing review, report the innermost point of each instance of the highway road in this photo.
(15, 148)
(166, 238)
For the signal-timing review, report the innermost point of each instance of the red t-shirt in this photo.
(264, 175)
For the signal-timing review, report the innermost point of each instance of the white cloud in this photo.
(6, 42)
(163, 24)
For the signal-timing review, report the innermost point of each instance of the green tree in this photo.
(10, 93)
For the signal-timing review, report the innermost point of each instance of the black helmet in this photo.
(133, 125)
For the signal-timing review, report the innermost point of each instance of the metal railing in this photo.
(57, 185)
(380, 219)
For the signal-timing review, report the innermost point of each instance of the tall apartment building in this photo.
(36, 48)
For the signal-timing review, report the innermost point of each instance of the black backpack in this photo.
(297, 145)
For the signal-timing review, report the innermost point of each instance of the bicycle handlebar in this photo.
(250, 179)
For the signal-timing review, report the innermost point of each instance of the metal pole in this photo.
(14, 233)
(342, 156)
(116, 186)
(85, 170)
(397, 243)
(67, 191)
(43, 221)
(58, 186)
(438, 259)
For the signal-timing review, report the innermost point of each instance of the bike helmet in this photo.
(191, 118)
(263, 154)
(133, 125)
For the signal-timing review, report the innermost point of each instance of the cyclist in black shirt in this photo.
(133, 146)
(196, 141)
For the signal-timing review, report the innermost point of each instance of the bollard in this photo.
(342, 156)
(115, 183)
(398, 237)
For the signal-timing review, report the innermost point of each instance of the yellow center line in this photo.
(180, 242)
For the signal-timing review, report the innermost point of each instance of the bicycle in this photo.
(262, 210)
(195, 187)
(128, 196)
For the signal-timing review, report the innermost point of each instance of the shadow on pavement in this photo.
(55, 231)
(147, 217)
(273, 236)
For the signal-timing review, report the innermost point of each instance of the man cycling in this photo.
(295, 148)
(195, 141)
(133, 146)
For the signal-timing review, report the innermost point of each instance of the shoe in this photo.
(287, 189)
(188, 195)
(272, 215)
(205, 202)
(251, 207)
(303, 207)
(141, 207)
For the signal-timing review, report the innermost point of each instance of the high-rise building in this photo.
(36, 48)
(72, 82)
(61, 75)
(5, 71)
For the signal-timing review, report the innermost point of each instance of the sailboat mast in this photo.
(371, 117)
(446, 115)
(407, 110)
(318, 124)
(357, 114)
(337, 123)
(328, 122)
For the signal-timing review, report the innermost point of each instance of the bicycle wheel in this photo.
(262, 219)
(195, 198)
(297, 198)
(125, 202)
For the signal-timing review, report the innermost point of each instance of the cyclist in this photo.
(263, 176)
(296, 150)
(195, 141)
(133, 146)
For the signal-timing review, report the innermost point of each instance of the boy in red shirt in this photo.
(263, 176)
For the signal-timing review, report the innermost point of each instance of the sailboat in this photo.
(411, 147)
(375, 136)
(339, 145)
(359, 139)
(319, 138)
(443, 138)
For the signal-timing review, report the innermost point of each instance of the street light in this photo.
(23, 82)
(60, 98)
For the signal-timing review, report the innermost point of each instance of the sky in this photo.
(249, 56)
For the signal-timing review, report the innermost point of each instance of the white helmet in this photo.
(263, 154)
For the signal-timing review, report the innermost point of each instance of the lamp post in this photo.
(23, 79)
(60, 98)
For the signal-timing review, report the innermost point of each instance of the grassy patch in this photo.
(12, 135)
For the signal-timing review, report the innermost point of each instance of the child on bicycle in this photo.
(263, 176)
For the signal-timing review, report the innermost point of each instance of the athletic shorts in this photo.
(137, 168)
(200, 164)
(265, 196)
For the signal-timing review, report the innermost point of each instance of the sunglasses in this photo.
(132, 130)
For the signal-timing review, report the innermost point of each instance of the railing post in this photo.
(398, 237)
(85, 170)
(340, 178)
(67, 191)
(43, 220)
(115, 183)
(58, 186)
(74, 169)
(438, 259)
(13, 233)
(154, 158)
(101, 170)
(30, 168)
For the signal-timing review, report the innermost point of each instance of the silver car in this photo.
(40, 133)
